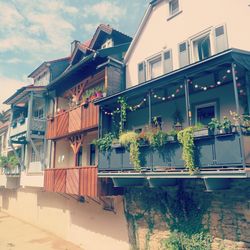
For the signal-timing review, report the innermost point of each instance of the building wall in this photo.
(222, 217)
(85, 224)
(161, 33)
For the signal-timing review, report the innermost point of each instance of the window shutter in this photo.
(141, 72)
(167, 61)
(183, 54)
(221, 43)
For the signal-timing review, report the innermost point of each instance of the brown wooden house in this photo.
(96, 70)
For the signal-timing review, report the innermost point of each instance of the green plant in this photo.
(8, 161)
(186, 138)
(226, 124)
(123, 112)
(104, 143)
(214, 124)
(158, 139)
(130, 139)
(3, 161)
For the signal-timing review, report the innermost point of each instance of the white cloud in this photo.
(8, 87)
(107, 11)
(90, 27)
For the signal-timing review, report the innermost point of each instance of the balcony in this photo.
(73, 121)
(217, 156)
(80, 181)
(18, 128)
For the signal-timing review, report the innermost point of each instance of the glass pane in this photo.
(205, 114)
(156, 68)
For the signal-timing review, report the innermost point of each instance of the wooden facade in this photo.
(80, 181)
(73, 121)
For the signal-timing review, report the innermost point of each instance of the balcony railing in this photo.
(18, 128)
(71, 121)
(80, 181)
(211, 153)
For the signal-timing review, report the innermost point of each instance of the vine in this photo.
(130, 139)
(104, 143)
(123, 112)
(186, 138)
(182, 212)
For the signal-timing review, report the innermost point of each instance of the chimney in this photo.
(74, 44)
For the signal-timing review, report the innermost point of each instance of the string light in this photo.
(181, 88)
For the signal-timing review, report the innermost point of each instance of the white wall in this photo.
(160, 34)
(85, 224)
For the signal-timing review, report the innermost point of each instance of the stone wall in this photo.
(165, 218)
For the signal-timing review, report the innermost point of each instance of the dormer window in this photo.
(107, 44)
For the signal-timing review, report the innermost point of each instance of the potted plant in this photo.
(213, 126)
(178, 120)
(104, 144)
(227, 125)
(116, 143)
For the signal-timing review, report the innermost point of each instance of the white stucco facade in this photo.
(159, 32)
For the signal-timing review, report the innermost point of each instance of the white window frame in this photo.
(173, 14)
(204, 105)
(151, 61)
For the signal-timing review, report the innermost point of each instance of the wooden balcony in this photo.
(81, 181)
(73, 121)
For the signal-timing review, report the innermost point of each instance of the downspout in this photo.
(187, 102)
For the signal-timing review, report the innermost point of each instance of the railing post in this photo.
(238, 112)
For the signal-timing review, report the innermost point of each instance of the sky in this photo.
(32, 32)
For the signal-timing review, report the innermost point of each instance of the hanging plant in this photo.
(123, 113)
(130, 139)
(186, 138)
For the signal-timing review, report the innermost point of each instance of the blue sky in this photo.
(35, 31)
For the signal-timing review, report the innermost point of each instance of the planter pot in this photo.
(116, 145)
(128, 182)
(171, 138)
(162, 182)
(201, 132)
(227, 130)
(214, 184)
(211, 132)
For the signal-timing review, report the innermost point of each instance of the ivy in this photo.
(130, 139)
(186, 138)
(104, 143)
(123, 112)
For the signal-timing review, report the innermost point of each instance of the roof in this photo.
(22, 92)
(104, 54)
(45, 64)
(229, 56)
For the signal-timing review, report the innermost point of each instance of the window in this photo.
(205, 112)
(38, 113)
(202, 48)
(167, 61)
(221, 42)
(34, 156)
(173, 7)
(155, 67)
(107, 44)
(141, 72)
(79, 157)
(183, 54)
(92, 154)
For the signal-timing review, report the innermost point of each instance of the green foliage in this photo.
(214, 124)
(182, 211)
(8, 161)
(3, 161)
(226, 123)
(158, 139)
(131, 139)
(181, 241)
(186, 138)
(104, 143)
(123, 112)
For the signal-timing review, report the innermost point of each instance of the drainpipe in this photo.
(238, 112)
(187, 101)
